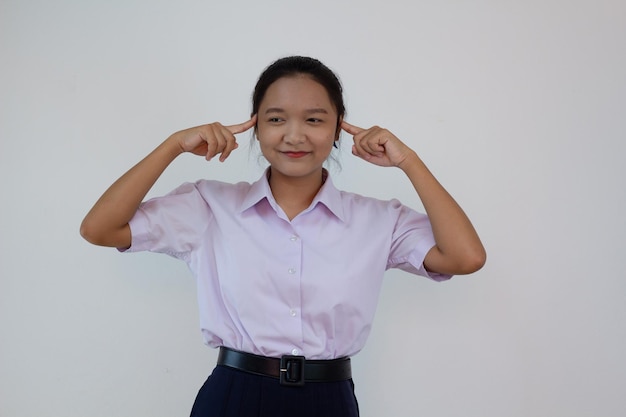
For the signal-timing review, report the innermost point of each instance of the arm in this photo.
(458, 248)
(106, 224)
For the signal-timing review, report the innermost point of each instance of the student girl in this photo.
(288, 268)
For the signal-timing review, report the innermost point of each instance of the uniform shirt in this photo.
(270, 286)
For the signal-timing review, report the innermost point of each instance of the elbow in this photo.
(463, 262)
(472, 262)
(98, 234)
(92, 233)
(88, 232)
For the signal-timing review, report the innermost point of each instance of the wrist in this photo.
(411, 160)
(173, 145)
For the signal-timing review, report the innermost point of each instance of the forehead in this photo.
(296, 92)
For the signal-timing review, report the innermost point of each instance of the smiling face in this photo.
(296, 127)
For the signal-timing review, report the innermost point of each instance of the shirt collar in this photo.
(328, 195)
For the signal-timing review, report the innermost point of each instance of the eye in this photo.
(274, 120)
(314, 120)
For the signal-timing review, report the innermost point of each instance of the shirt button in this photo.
(292, 270)
(293, 238)
(293, 313)
(295, 352)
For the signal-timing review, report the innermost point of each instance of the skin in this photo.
(458, 248)
(296, 128)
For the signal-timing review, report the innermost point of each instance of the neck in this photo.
(294, 194)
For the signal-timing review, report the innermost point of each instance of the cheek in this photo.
(263, 134)
(266, 139)
(331, 136)
(267, 129)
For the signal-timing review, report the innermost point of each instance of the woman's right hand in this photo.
(106, 223)
(212, 139)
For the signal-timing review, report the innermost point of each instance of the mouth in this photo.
(293, 154)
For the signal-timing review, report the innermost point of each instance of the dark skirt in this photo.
(232, 393)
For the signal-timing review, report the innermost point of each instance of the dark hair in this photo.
(294, 65)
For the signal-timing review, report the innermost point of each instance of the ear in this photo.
(338, 129)
(256, 123)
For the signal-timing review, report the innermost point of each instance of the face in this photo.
(296, 127)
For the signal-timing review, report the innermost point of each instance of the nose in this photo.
(294, 134)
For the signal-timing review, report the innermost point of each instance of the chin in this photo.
(296, 172)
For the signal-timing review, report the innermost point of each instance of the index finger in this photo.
(242, 127)
(351, 129)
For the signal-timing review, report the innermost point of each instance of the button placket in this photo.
(292, 269)
(291, 281)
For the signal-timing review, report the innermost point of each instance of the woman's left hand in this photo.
(377, 145)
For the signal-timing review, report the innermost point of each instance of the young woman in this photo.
(288, 268)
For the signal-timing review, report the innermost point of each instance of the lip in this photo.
(294, 154)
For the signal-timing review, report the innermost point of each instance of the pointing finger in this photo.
(351, 129)
(242, 127)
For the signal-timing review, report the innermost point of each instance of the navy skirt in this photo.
(232, 393)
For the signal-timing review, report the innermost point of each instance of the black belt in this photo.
(289, 369)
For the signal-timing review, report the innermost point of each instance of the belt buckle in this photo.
(292, 370)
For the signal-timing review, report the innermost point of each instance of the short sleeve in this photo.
(171, 224)
(411, 240)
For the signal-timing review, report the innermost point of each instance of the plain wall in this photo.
(518, 107)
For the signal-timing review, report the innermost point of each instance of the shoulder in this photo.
(204, 191)
(360, 209)
(210, 186)
(348, 203)
(360, 202)
(229, 196)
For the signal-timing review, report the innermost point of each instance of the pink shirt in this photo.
(270, 286)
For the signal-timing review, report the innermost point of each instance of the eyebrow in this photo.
(308, 111)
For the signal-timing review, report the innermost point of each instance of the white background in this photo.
(518, 107)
